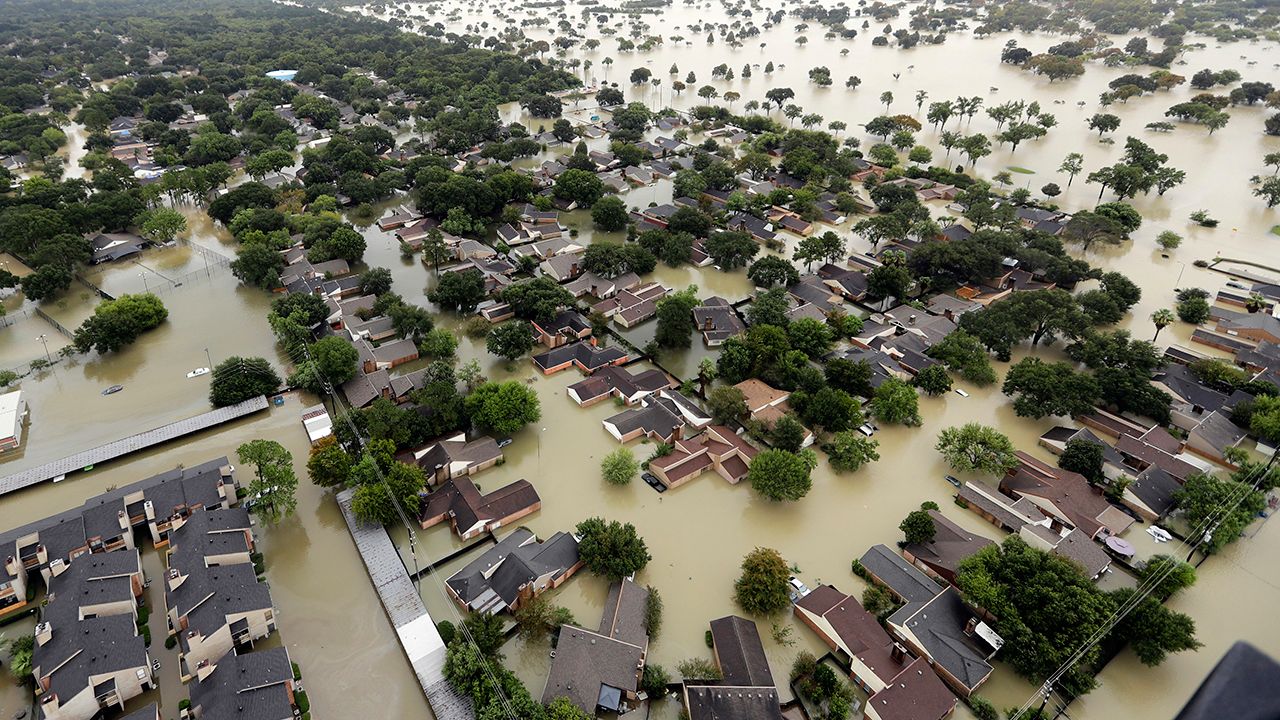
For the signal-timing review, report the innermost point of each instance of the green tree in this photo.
(896, 402)
(258, 265)
(730, 249)
(459, 291)
(810, 336)
(579, 186)
(675, 318)
(375, 281)
(562, 708)
(964, 354)
(329, 465)
(1085, 457)
(117, 323)
(787, 434)
(781, 475)
(770, 271)
(974, 447)
(849, 450)
(503, 408)
(1162, 319)
(1203, 499)
(933, 380)
(271, 493)
(1153, 630)
(1194, 310)
(538, 300)
(237, 379)
(21, 652)
(726, 404)
(538, 617)
(611, 549)
(1039, 389)
(161, 224)
(918, 527)
(762, 587)
(769, 308)
(510, 340)
(619, 467)
(1029, 592)
(609, 214)
(1265, 418)
(1169, 573)
(335, 359)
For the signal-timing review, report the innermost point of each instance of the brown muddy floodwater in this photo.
(697, 534)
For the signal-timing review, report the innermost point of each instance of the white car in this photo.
(961, 393)
(198, 372)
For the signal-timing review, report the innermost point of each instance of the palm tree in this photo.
(1255, 302)
(886, 97)
(1162, 319)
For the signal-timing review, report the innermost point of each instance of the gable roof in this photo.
(939, 625)
(950, 545)
(740, 653)
(899, 575)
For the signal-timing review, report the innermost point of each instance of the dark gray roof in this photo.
(209, 595)
(899, 575)
(939, 625)
(1242, 686)
(594, 669)
(657, 417)
(519, 558)
(583, 353)
(251, 686)
(93, 646)
(740, 653)
(723, 702)
(1155, 488)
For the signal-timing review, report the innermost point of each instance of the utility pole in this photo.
(208, 357)
(44, 340)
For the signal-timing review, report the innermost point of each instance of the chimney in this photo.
(707, 324)
(44, 633)
(911, 319)
(204, 669)
(150, 509)
(174, 578)
(898, 654)
(971, 626)
(123, 519)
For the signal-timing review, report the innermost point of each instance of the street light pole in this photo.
(145, 288)
(208, 357)
(44, 340)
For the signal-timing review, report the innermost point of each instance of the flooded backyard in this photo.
(329, 615)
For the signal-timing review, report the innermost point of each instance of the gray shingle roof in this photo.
(898, 574)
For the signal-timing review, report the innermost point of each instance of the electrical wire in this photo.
(345, 415)
(1148, 585)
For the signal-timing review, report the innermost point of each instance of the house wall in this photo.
(85, 706)
(864, 676)
(913, 643)
(108, 609)
(214, 646)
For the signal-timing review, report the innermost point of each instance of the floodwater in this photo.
(329, 615)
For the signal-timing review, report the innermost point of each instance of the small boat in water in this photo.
(113, 390)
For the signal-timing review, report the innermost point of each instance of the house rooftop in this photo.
(899, 575)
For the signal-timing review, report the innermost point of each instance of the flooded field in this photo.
(697, 534)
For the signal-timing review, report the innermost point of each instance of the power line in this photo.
(461, 624)
(1202, 533)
